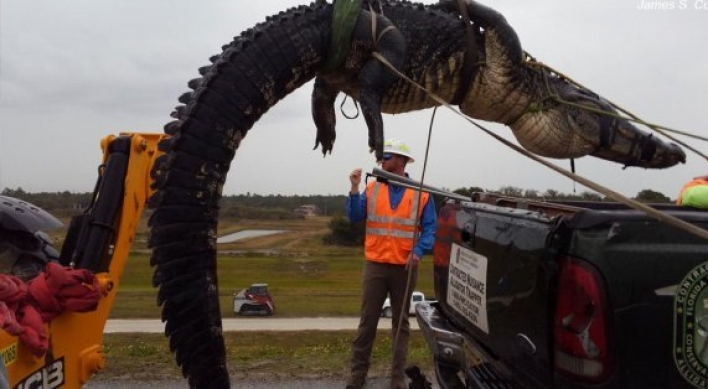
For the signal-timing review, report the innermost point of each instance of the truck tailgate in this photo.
(491, 279)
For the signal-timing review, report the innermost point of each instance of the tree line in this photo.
(256, 206)
(279, 207)
(245, 206)
(644, 195)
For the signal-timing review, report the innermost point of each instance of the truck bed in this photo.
(501, 295)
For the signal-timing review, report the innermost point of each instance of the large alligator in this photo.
(477, 65)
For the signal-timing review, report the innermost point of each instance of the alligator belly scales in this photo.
(430, 44)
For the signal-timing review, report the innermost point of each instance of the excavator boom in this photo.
(99, 240)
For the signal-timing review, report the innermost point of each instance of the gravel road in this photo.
(255, 324)
(378, 383)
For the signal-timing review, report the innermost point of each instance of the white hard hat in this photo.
(397, 146)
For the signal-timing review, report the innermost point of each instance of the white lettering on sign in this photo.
(467, 285)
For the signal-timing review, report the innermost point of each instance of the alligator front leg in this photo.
(375, 79)
(323, 98)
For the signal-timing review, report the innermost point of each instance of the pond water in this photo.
(243, 234)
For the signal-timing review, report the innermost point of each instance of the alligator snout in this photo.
(669, 155)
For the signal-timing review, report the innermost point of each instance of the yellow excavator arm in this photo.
(99, 240)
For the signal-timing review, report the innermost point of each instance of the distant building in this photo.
(307, 210)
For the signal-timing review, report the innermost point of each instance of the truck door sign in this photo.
(691, 327)
(50, 376)
(467, 285)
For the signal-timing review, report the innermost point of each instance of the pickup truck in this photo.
(533, 294)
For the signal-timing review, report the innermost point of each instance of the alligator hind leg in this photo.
(376, 79)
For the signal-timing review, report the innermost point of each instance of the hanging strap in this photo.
(344, 17)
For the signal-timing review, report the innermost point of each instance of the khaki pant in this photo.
(378, 281)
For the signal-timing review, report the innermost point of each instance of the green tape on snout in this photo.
(344, 16)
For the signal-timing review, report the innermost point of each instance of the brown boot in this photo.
(418, 379)
(355, 383)
(398, 382)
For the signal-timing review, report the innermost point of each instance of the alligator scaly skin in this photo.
(269, 61)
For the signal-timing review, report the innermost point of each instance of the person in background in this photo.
(694, 193)
(400, 227)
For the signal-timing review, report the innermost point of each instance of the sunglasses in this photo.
(386, 157)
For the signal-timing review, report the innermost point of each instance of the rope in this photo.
(410, 270)
(661, 216)
(356, 107)
(416, 232)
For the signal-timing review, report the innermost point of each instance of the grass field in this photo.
(305, 277)
(279, 355)
(319, 285)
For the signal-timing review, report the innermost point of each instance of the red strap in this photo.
(34, 334)
(12, 289)
(24, 308)
(60, 289)
(8, 321)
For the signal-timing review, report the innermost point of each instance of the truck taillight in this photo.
(580, 326)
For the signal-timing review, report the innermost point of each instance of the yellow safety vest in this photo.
(695, 182)
(390, 232)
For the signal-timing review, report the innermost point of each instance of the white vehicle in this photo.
(254, 300)
(416, 297)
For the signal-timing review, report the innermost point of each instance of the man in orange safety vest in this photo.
(400, 228)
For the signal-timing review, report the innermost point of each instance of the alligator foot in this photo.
(323, 98)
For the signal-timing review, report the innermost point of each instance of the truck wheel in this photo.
(388, 312)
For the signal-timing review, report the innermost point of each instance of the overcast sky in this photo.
(73, 71)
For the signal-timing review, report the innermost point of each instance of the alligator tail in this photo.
(255, 71)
